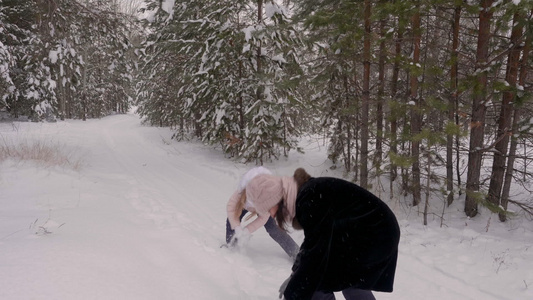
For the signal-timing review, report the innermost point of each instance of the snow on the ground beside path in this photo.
(144, 218)
(453, 263)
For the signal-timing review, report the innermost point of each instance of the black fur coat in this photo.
(351, 240)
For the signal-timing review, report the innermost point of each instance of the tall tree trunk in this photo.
(357, 138)
(504, 120)
(453, 101)
(348, 122)
(381, 94)
(258, 51)
(524, 65)
(240, 108)
(365, 106)
(428, 187)
(415, 107)
(477, 123)
(394, 91)
(259, 70)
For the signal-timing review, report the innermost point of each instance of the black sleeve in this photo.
(308, 268)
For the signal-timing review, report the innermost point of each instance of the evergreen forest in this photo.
(435, 96)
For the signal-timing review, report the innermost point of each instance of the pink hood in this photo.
(290, 190)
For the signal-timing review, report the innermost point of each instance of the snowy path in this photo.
(180, 203)
(144, 219)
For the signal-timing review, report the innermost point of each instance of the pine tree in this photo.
(505, 116)
(28, 78)
(67, 58)
(232, 81)
(334, 35)
(9, 37)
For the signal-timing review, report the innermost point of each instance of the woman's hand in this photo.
(283, 287)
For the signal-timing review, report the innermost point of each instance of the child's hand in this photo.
(241, 236)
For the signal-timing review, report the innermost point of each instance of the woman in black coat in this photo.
(350, 244)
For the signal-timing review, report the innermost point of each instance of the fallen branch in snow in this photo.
(524, 206)
(44, 229)
(5, 237)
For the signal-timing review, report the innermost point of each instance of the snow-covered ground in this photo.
(144, 218)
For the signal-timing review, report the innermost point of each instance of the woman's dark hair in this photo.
(300, 176)
(280, 217)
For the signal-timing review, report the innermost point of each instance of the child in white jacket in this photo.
(240, 204)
